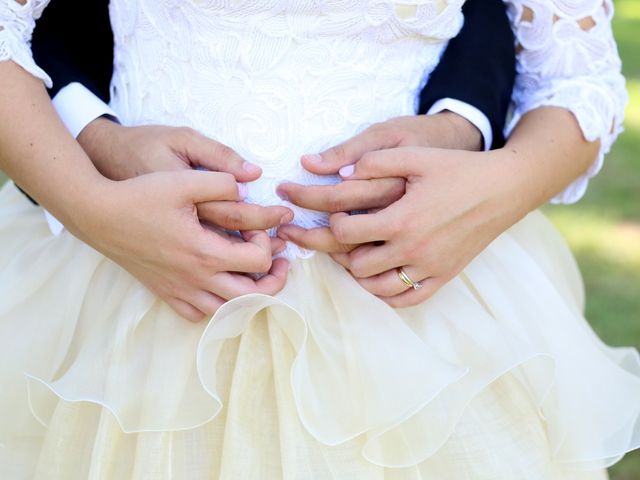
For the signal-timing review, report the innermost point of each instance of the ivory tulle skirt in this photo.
(497, 376)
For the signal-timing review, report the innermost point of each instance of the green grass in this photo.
(603, 229)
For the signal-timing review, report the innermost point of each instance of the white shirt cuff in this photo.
(77, 106)
(471, 113)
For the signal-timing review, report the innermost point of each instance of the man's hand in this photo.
(443, 130)
(121, 152)
(149, 225)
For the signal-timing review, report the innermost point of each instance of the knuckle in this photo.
(397, 189)
(225, 153)
(265, 264)
(396, 226)
(344, 247)
(303, 240)
(336, 203)
(340, 154)
(272, 286)
(227, 181)
(232, 218)
(226, 178)
(207, 258)
(414, 258)
(339, 232)
(376, 127)
(185, 134)
(386, 132)
(379, 130)
(366, 161)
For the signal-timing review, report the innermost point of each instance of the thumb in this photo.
(199, 186)
(395, 162)
(206, 153)
(351, 151)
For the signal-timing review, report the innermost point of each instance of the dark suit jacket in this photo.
(478, 66)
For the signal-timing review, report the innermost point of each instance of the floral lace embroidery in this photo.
(363, 60)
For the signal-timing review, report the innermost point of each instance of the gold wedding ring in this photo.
(407, 280)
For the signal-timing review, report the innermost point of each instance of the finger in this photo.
(412, 297)
(251, 254)
(202, 151)
(206, 302)
(386, 284)
(345, 196)
(244, 216)
(231, 285)
(342, 259)
(275, 280)
(199, 187)
(394, 162)
(277, 245)
(320, 239)
(376, 137)
(185, 310)
(369, 260)
(366, 228)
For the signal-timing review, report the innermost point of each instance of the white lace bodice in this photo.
(272, 80)
(276, 79)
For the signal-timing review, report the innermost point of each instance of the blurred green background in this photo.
(603, 229)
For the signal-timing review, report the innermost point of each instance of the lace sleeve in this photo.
(567, 57)
(17, 21)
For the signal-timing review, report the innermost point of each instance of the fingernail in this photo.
(282, 195)
(347, 171)
(243, 191)
(313, 157)
(251, 168)
(286, 218)
(281, 248)
(282, 235)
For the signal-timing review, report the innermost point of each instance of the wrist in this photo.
(457, 132)
(81, 204)
(99, 140)
(516, 184)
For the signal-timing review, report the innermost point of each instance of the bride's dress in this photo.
(498, 376)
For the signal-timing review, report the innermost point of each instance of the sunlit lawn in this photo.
(604, 228)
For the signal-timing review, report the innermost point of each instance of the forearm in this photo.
(37, 151)
(544, 154)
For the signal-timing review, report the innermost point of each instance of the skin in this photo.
(396, 172)
(190, 265)
(127, 152)
(453, 205)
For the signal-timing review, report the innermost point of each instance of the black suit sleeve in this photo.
(478, 66)
(73, 42)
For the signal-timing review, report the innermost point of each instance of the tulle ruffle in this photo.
(77, 328)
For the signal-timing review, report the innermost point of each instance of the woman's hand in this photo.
(455, 204)
(443, 130)
(149, 225)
